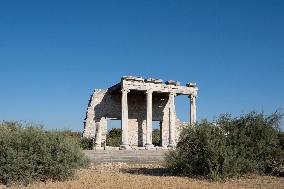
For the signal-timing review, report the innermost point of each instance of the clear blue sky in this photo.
(54, 53)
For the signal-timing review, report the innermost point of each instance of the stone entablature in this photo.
(137, 102)
(155, 85)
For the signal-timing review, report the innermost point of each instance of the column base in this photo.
(98, 148)
(149, 146)
(171, 146)
(125, 147)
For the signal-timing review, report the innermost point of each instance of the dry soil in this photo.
(132, 176)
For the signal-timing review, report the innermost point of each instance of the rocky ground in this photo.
(123, 175)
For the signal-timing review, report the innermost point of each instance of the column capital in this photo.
(173, 93)
(125, 90)
(192, 96)
(149, 91)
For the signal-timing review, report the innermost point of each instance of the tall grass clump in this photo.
(230, 146)
(28, 153)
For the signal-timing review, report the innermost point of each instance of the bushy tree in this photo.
(113, 137)
(86, 143)
(29, 153)
(229, 146)
(156, 137)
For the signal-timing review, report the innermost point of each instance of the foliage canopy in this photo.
(29, 153)
(229, 146)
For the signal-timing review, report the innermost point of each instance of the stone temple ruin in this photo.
(137, 102)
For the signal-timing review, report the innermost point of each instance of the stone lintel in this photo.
(156, 85)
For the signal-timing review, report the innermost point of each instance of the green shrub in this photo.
(29, 153)
(156, 137)
(113, 137)
(73, 134)
(228, 147)
(86, 143)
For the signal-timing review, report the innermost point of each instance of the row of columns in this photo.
(149, 104)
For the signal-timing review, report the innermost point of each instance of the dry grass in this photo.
(121, 175)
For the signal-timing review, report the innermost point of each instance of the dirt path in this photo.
(142, 176)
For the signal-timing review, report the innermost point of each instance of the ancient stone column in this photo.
(98, 142)
(124, 120)
(192, 109)
(172, 121)
(149, 120)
